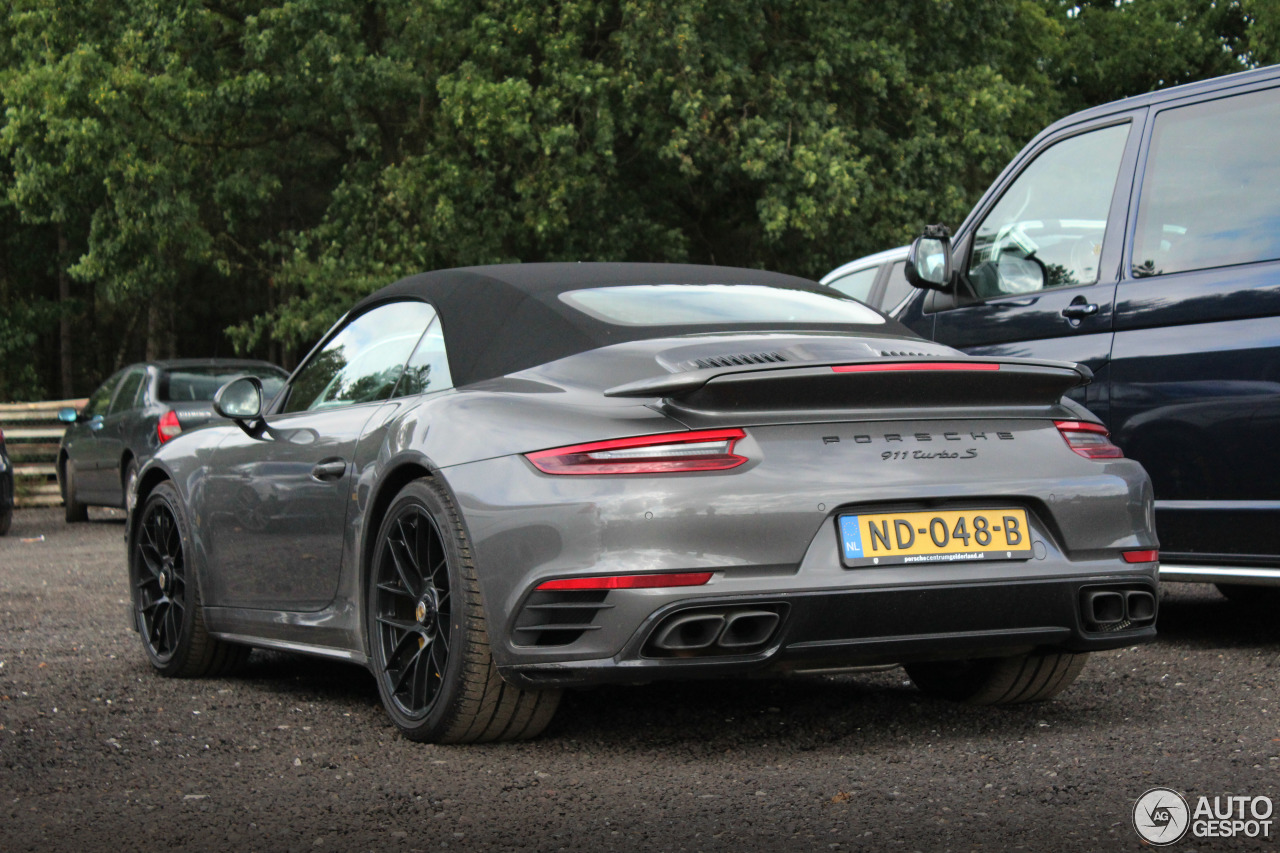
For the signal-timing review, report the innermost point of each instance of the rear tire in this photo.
(428, 635)
(1250, 595)
(75, 511)
(166, 595)
(1033, 677)
(6, 519)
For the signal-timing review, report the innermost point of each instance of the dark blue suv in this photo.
(1142, 238)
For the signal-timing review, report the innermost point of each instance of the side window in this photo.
(128, 393)
(857, 284)
(428, 368)
(1209, 191)
(101, 397)
(1047, 228)
(364, 361)
(896, 288)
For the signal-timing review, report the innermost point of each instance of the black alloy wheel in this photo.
(413, 613)
(428, 638)
(161, 584)
(166, 598)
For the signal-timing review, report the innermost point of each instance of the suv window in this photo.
(1209, 194)
(364, 361)
(857, 284)
(1053, 216)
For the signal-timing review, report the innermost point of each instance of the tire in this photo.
(1033, 677)
(1249, 595)
(428, 638)
(6, 519)
(129, 483)
(166, 596)
(75, 511)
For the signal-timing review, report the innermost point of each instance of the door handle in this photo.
(1079, 310)
(329, 469)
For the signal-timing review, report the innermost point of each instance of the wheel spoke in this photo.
(396, 590)
(400, 557)
(398, 624)
(406, 671)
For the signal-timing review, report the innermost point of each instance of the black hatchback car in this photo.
(134, 412)
(1142, 239)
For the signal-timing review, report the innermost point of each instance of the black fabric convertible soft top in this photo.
(501, 319)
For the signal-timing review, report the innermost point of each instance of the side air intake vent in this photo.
(738, 359)
(559, 617)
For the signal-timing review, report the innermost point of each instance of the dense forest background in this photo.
(211, 177)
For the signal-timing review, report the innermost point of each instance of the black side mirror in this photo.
(241, 401)
(929, 259)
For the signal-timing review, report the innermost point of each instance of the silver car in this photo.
(490, 484)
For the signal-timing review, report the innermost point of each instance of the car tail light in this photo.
(168, 426)
(1090, 440)
(630, 581)
(1149, 556)
(669, 453)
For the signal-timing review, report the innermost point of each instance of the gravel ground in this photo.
(296, 754)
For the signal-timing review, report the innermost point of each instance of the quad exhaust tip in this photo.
(1117, 609)
(724, 630)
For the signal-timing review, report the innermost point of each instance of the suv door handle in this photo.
(1078, 310)
(329, 469)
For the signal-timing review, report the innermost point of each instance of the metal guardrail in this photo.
(31, 434)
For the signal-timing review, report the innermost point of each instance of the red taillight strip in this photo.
(630, 581)
(1140, 556)
(913, 366)
(671, 454)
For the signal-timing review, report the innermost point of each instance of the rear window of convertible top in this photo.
(715, 304)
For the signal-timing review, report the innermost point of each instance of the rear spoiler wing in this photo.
(866, 383)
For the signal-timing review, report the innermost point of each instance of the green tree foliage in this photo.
(196, 165)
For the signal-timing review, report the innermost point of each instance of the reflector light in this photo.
(630, 581)
(169, 427)
(1140, 556)
(669, 453)
(1088, 439)
(913, 366)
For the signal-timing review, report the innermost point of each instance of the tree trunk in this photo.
(64, 328)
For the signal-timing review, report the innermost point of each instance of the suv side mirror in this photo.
(929, 259)
(68, 415)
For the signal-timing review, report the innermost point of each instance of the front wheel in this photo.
(166, 597)
(1032, 677)
(130, 484)
(75, 511)
(428, 636)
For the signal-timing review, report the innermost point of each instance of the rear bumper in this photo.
(864, 627)
(1243, 575)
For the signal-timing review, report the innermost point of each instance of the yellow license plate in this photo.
(952, 536)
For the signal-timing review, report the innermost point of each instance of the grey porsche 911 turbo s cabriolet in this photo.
(491, 484)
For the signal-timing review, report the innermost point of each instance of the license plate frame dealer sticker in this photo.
(942, 536)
